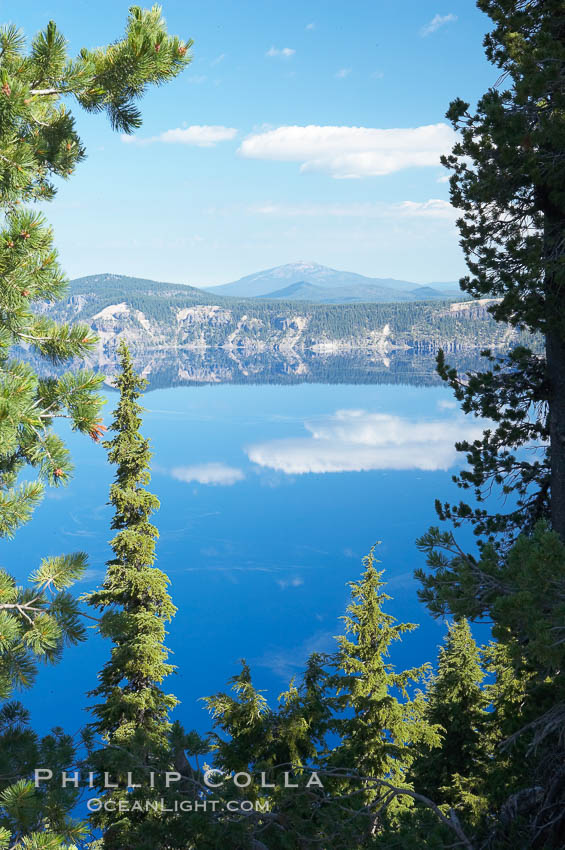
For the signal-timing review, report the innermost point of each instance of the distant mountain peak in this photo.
(341, 286)
(289, 270)
(306, 267)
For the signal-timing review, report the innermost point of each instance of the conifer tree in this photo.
(522, 592)
(379, 721)
(277, 748)
(38, 145)
(36, 624)
(508, 693)
(456, 702)
(508, 177)
(132, 715)
(507, 182)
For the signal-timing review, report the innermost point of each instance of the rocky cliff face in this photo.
(167, 320)
(212, 326)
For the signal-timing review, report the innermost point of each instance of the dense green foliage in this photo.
(507, 182)
(508, 179)
(475, 760)
(132, 715)
(37, 622)
(379, 732)
(35, 625)
(35, 818)
(339, 749)
(512, 453)
(455, 702)
(522, 593)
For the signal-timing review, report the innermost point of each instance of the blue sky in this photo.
(281, 152)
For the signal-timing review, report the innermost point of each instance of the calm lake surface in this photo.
(270, 497)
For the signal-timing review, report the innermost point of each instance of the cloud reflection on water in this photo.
(357, 440)
(218, 474)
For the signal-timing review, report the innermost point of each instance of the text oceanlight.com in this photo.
(95, 804)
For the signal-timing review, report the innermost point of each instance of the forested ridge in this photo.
(157, 316)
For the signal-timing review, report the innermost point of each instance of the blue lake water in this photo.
(270, 497)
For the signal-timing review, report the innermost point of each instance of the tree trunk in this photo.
(554, 308)
(555, 356)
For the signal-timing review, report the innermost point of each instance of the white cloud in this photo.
(343, 73)
(217, 60)
(208, 473)
(310, 26)
(292, 582)
(443, 179)
(201, 135)
(349, 152)
(433, 208)
(377, 75)
(356, 441)
(436, 22)
(198, 79)
(283, 52)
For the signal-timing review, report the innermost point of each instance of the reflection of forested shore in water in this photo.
(215, 366)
